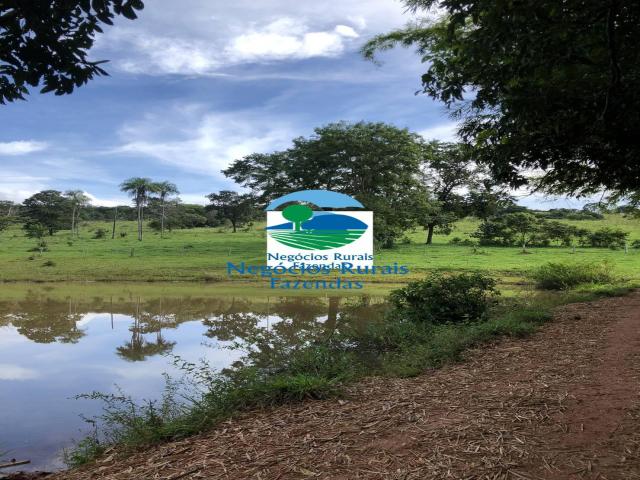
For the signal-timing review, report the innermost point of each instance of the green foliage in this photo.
(447, 168)
(34, 230)
(237, 208)
(445, 299)
(606, 237)
(47, 43)
(523, 228)
(99, 233)
(5, 221)
(570, 214)
(561, 276)
(534, 88)
(376, 163)
(48, 208)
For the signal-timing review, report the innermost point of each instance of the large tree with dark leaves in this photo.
(48, 208)
(45, 43)
(539, 84)
(376, 163)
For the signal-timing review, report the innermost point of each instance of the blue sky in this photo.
(196, 84)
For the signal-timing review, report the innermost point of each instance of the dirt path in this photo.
(562, 404)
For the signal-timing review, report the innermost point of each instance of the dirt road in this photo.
(562, 404)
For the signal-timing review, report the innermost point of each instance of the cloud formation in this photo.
(205, 141)
(21, 147)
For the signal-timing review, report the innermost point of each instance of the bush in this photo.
(606, 238)
(561, 276)
(99, 233)
(445, 299)
(49, 263)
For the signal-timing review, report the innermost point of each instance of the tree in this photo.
(164, 189)
(376, 163)
(538, 84)
(233, 206)
(297, 214)
(487, 199)
(139, 189)
(46, 43)
(447, 168)
(8, 208)
(77, 199)
(47, 208)
(4, 222)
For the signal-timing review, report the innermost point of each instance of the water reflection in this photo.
(53, 347)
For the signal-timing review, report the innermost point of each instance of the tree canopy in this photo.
(47, 208)
(235, 207)
(46, 43)
(537, 84)
(377, 163)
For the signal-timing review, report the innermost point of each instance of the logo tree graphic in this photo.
(297, 214)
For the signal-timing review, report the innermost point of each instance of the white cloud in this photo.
(204, 38)
(21, 147)
(281, 39)
(446, 132)
(287, 39)
(201, 141)
(346, 31)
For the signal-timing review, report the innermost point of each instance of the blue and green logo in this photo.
(307, 229)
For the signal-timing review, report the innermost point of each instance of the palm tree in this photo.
(78, 199)
(139, 189)
(164, 189)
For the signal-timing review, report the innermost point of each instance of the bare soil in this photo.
(561, 404)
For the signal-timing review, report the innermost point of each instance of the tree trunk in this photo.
(73, 221)
(162, 222)
(430, 229)
(233, 224)
(78, 223)
(140, 223)
(113, 230)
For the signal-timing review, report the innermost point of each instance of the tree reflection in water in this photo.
(266, 330)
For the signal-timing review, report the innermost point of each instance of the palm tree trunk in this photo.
(113, 230)
(139, 221)
(162, 222)
(78, 223)
(73, 220)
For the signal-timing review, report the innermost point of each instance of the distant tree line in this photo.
(406, 181)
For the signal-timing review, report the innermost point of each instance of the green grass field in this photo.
(202, 254)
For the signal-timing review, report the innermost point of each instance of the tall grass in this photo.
(563, 276)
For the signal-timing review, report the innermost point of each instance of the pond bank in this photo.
(500, 413)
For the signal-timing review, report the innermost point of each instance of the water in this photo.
(56, 344)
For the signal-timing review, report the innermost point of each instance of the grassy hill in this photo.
(202, 254)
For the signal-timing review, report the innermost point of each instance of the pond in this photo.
(57, 343)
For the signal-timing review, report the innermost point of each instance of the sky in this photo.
(197, 84)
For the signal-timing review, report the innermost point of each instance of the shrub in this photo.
(123, 234)
(606, 238)
(99, 233)
(635, 244)
(561, 276)
(445, 299)
(34, 230)
(49, 263)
